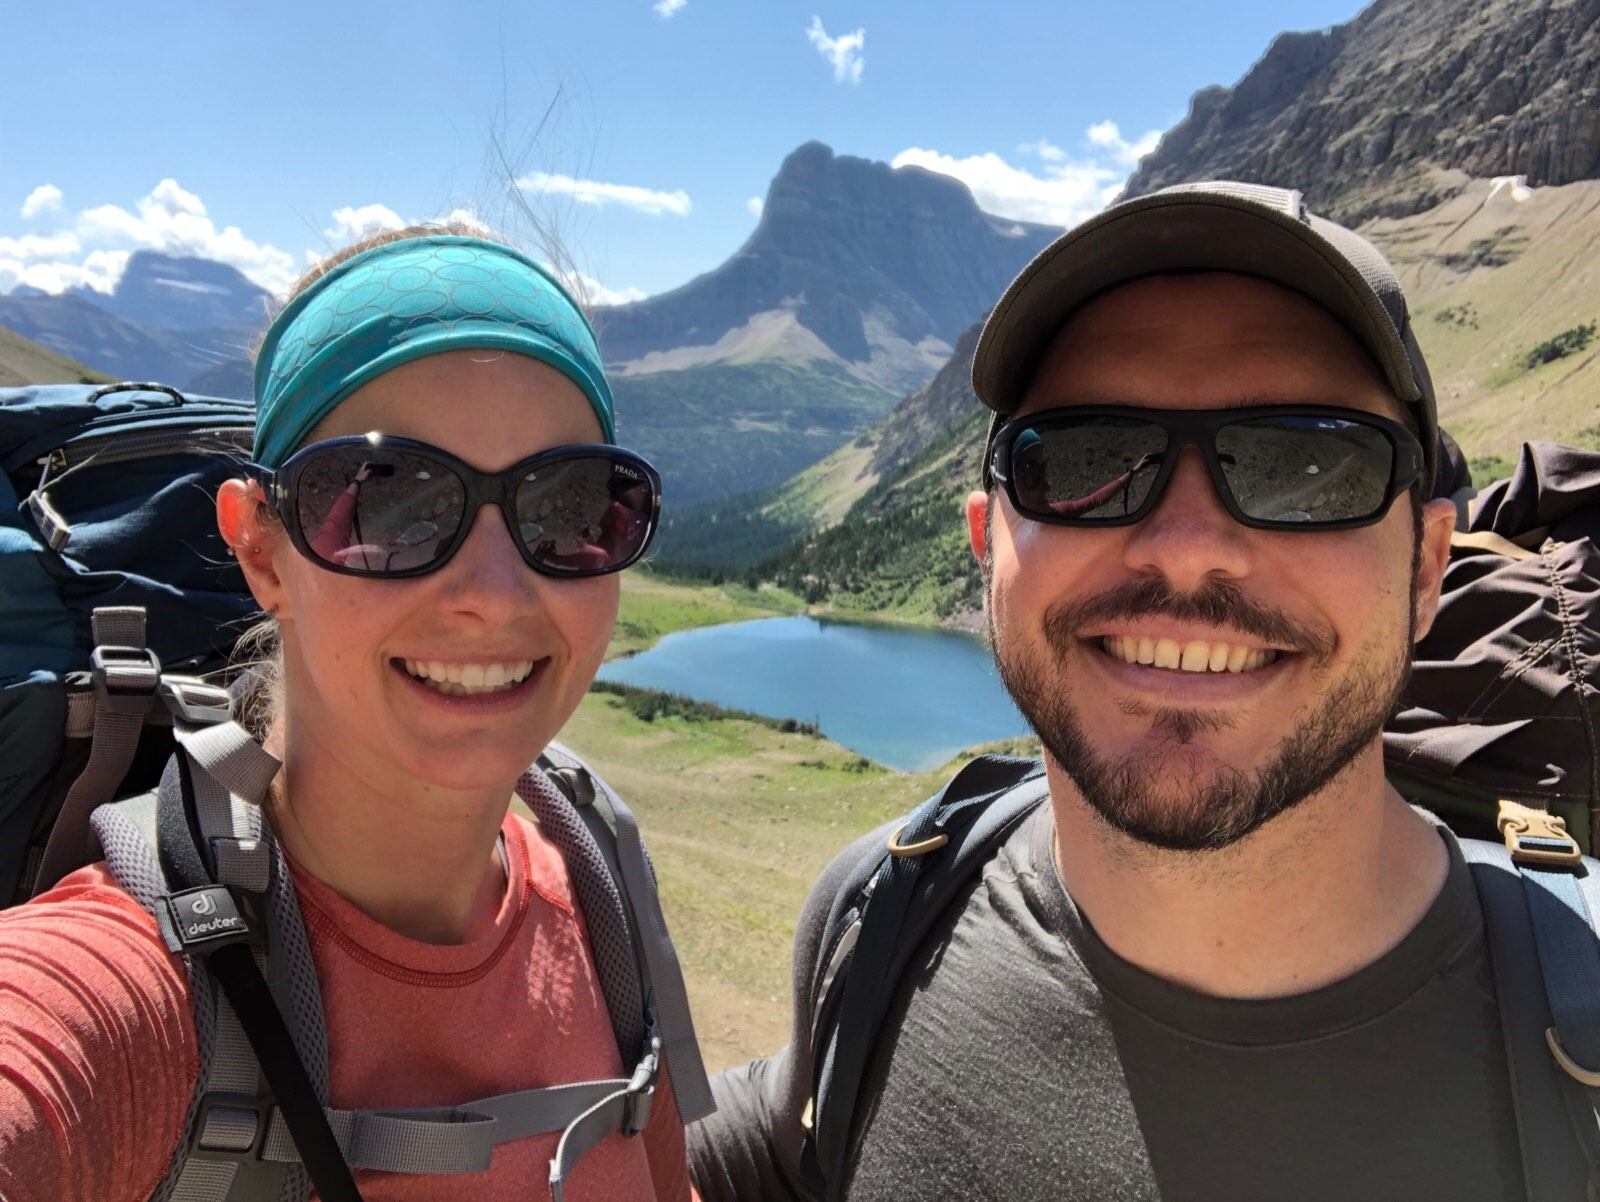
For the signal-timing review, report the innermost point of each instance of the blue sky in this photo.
(264, 134)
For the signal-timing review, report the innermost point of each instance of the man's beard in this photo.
(1221, 803)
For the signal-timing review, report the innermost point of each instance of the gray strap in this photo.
(671, 1000)
(448, 1139)
(234, 773)
(116, 739)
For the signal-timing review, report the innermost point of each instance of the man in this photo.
(1225, 960)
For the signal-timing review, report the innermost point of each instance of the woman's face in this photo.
(353, 646)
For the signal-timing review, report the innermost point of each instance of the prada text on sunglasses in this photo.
(370, 505)
(1276, 467)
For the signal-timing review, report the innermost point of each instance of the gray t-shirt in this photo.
(1023, 1059)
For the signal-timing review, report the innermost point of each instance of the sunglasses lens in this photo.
(377, 511)
(1093, 468)
(586, 515)
(1298, 470)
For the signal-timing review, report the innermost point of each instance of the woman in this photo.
(439, 620)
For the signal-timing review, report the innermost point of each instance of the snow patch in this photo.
(1516, 185)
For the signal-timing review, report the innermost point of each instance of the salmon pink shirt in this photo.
(98, 1054)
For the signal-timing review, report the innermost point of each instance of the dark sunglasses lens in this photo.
(1086, 468)
(585, 515)
(376, 511)
(1299, 470)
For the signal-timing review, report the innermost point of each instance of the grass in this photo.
(740, 818)
(654, 605)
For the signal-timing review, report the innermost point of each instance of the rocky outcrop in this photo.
(1386, 115)
(930, 411)
(178, 292)
(860, 253)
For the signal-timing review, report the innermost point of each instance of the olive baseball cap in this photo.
(1216, 226)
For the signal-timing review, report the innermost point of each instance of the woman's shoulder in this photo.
(97, 1046)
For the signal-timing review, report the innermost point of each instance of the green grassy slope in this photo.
(23, 361)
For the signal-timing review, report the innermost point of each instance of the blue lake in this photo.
(909, 699)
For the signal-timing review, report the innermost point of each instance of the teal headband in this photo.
(404, 300)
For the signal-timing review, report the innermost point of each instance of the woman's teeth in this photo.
(1195, 656)
(468, 680)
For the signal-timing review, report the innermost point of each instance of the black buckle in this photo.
(207, 918)
(242, 1114)
(123, 698)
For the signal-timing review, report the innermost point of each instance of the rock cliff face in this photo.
(1386, 115)
(880, 268)
(173, 292)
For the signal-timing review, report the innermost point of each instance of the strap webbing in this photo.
(111, 751)
(236, 971)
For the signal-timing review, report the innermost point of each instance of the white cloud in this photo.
(46, 198)
(1107, 136)
(100, 270)
(755, 204)
(351, 224)
(596, 293)
(39, 246)
(1045, 149)
(469, 219)
(175, 220)
(1065, 191)
(666, 8)
(593, 192)
(844, 52)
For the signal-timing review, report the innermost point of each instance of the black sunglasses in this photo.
(371, 505)
(1276, 467)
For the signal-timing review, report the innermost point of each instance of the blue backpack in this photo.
(105, 504)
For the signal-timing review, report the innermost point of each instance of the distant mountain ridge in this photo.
(1391, 112)
(177, 292)
(878, 269)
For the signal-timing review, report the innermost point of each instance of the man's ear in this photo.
(1438, 524)
(255, 538)
(978, 523)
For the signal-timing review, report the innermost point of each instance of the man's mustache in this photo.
(1218, 603)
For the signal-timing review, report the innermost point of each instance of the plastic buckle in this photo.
(193, 702)
(106, 663)
(230, 1118)
(1535, 836)
(641, 1090)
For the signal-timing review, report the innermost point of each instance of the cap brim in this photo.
(1175, 231)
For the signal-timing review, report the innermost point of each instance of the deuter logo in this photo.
(207, 915)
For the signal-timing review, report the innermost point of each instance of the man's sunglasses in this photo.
(370, 505)
(1276, 467)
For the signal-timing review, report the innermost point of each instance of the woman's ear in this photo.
(252, 533)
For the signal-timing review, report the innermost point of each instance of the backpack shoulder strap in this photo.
(629, 878)
(900, 892)
(1540, 899)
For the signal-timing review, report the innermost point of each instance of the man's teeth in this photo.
(469, 680)
(1196, 656)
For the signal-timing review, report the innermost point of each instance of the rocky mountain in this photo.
(873, 268)
(1392, 112)
(80, 329)
(172, 292)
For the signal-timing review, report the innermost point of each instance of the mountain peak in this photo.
(1382, 115)
(877, 267)
(183, 292)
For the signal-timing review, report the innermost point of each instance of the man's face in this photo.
(1319, 624)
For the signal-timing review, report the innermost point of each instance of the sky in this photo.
(644, 133)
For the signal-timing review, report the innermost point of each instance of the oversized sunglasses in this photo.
(1275, 467)
(371, 505)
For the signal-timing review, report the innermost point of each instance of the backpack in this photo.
(104, 502)
(1496, 735)
(97, 716)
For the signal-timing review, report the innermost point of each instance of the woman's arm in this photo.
(97, 1047)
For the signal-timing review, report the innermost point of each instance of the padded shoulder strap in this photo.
(941, 846)
(1535, 923)
(605, 845)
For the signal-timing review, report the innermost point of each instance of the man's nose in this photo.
(1190, 537)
